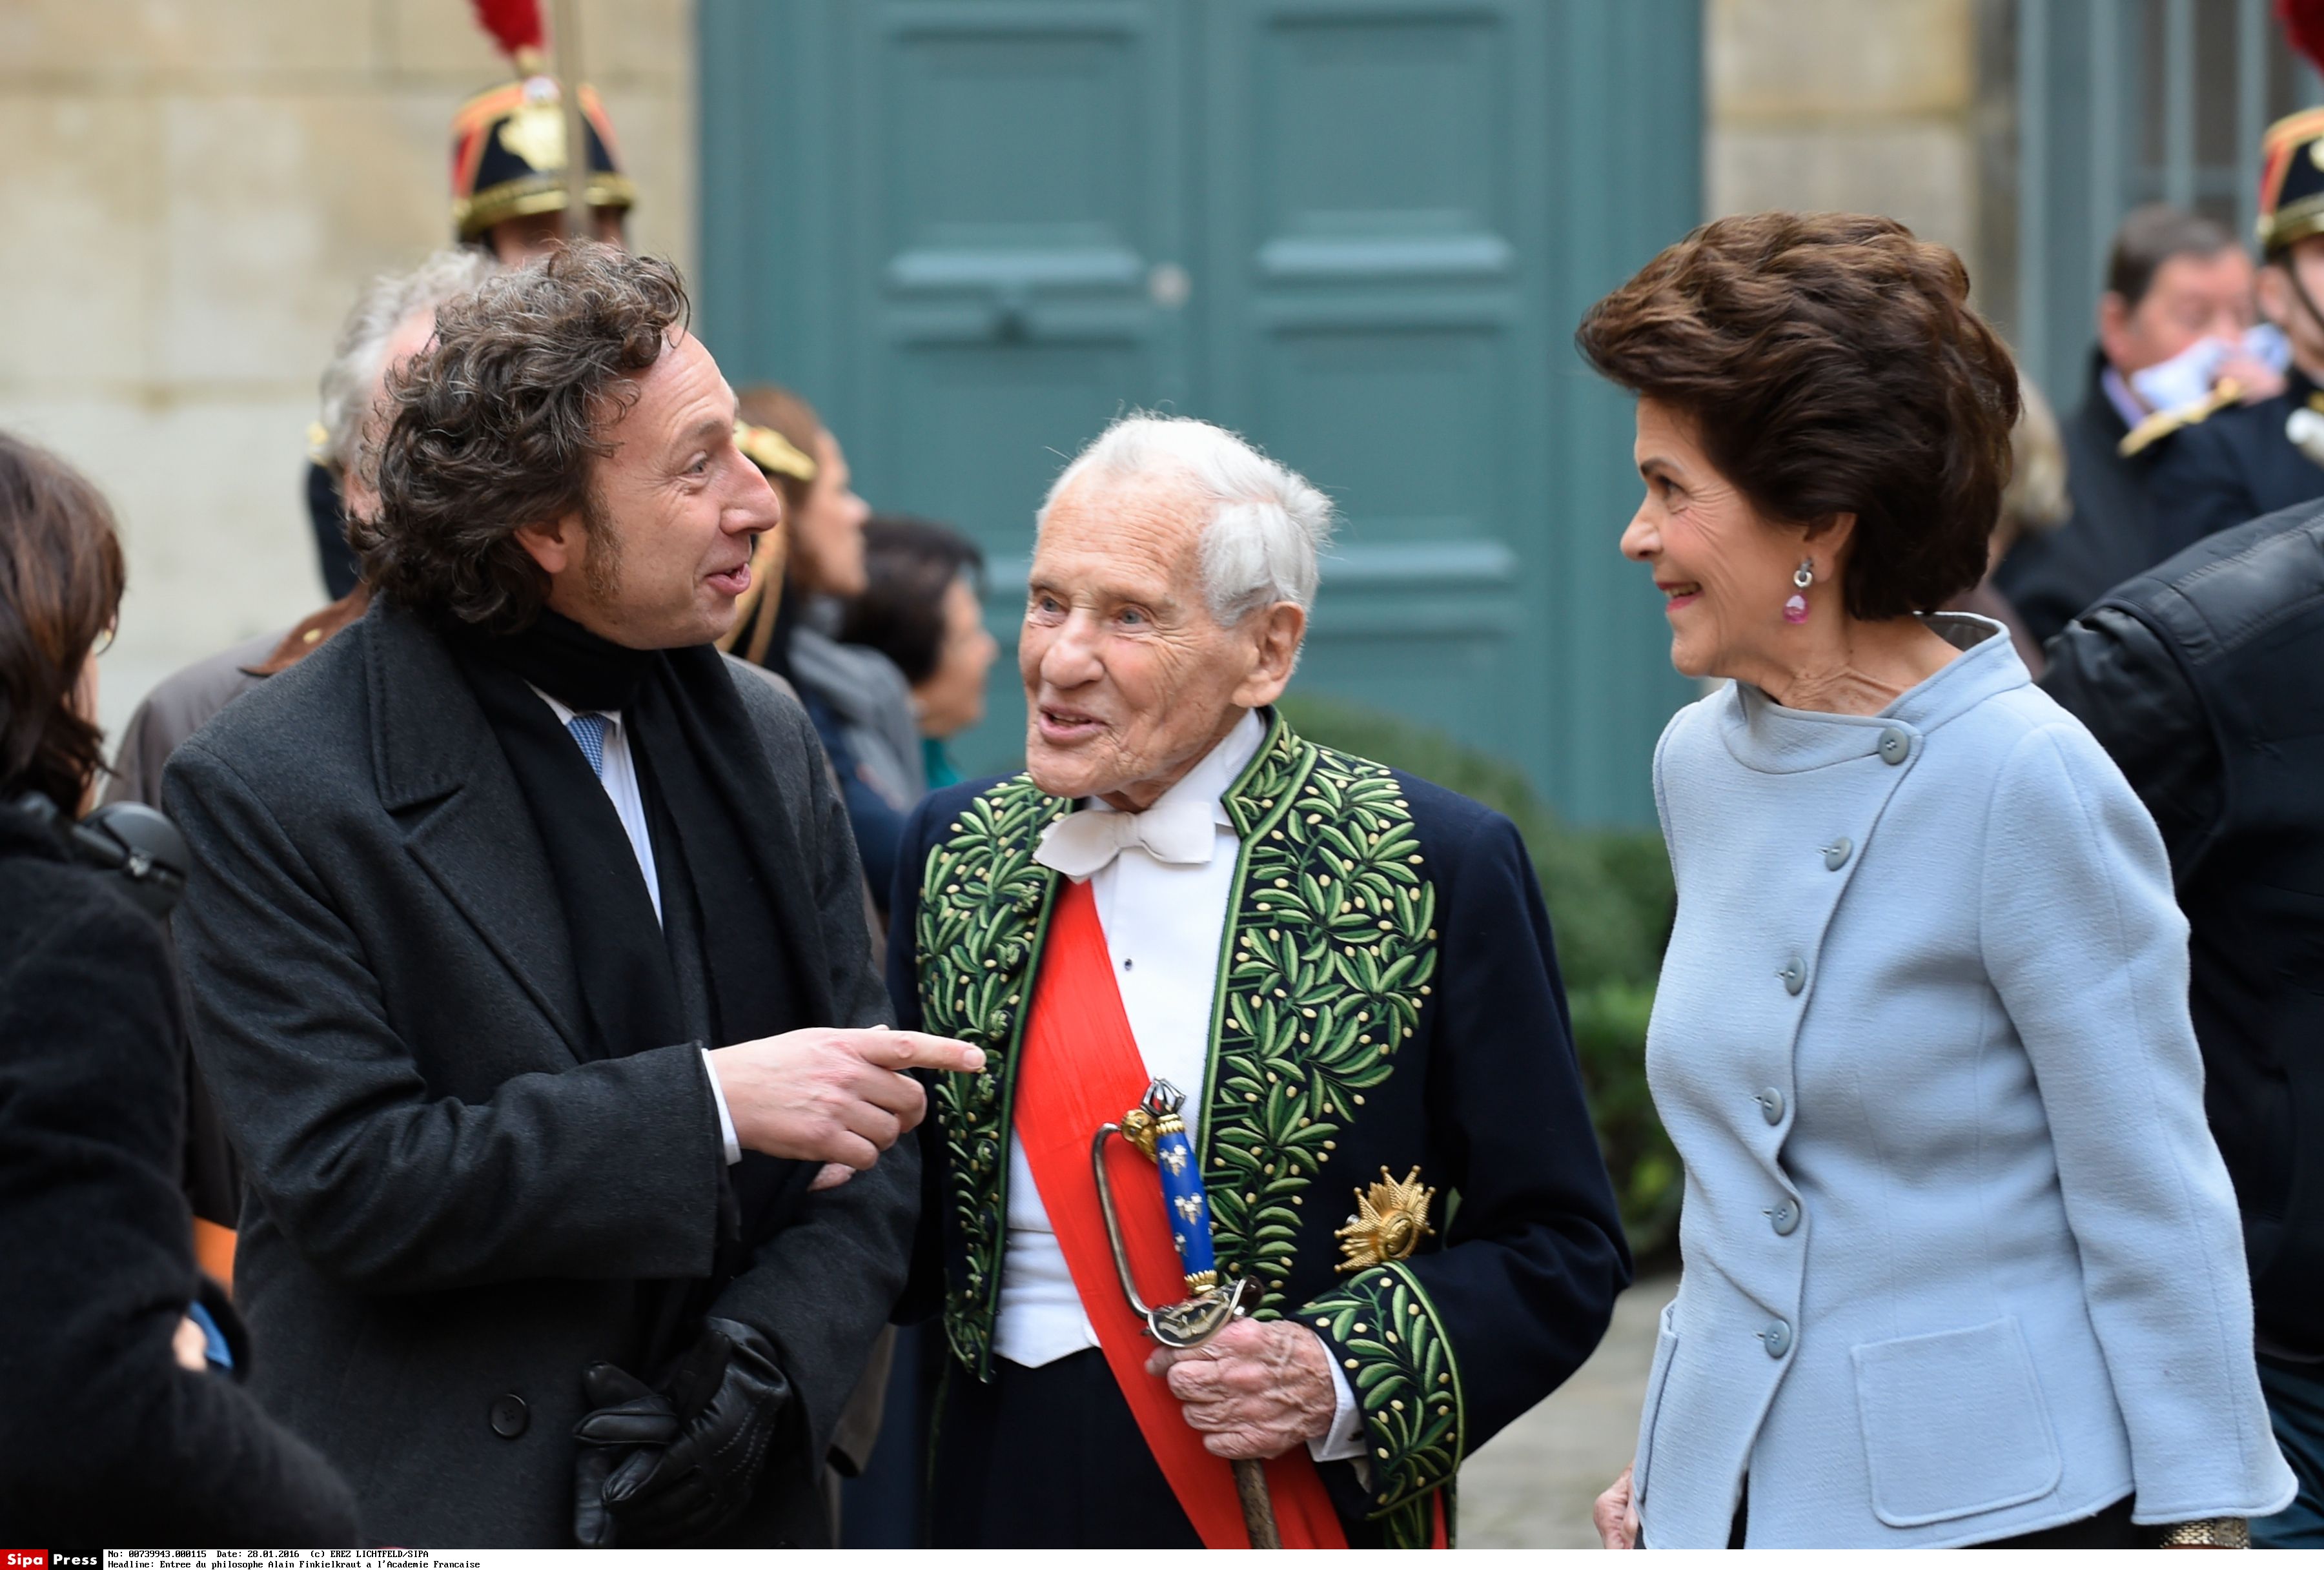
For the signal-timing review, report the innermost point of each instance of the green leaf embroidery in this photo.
(1327, 957)
(1405, 1383)
(984, 909)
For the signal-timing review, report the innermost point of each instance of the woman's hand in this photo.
(1616, 1515)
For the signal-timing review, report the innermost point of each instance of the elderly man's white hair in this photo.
(1268, 527)
(382, 306)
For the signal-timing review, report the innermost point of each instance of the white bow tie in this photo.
(1181, 830)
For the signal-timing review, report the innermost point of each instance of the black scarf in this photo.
(717, 822)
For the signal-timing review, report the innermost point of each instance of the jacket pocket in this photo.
(1954, 1424)
(1657, 1375)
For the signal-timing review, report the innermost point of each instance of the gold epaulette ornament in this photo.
(2155, 426)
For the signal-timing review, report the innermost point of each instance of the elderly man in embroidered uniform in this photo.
(1350, 972)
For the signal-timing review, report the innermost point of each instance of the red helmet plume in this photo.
(2303, 28)
(516, 26)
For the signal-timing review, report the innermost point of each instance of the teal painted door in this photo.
(1360, 232)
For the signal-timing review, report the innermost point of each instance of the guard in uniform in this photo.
(508, 170)
(2228, 463)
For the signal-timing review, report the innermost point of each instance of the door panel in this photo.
(977, 185)
(986, 424)
(1396, 417)
(1017, 157)
(1373, 327)
(1019, 177)
(1372, 127)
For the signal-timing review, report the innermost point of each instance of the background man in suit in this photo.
(2240, 463)
(2173, 279)
(477, 890)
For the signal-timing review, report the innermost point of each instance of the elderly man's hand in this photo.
(1254, 1390)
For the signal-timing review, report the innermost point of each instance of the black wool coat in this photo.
(2110, 534)
(2199, 680)
(451, 1212)
(105, 1441)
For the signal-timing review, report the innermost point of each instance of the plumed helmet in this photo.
(509, 159)
(2291, 153)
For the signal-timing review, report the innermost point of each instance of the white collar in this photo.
(1180, 828)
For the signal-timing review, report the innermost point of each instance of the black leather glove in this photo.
(725, 1405)
(628, 1418)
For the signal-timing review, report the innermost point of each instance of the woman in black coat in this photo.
(121, 1422)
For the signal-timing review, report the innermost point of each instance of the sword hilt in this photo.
(1155, 1127)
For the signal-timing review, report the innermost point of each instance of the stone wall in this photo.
(193, 190)
(1862, 106)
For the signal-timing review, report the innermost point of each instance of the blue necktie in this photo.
(589, 731)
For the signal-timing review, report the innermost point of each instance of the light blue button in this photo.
(1776, 1338)
(1785, 1218)
(1895, 746)
(1836, 853)
(1771, 1105)
(1795, 975)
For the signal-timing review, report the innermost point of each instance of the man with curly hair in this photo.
(528, 958)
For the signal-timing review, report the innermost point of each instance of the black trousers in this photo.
(1047, 1457)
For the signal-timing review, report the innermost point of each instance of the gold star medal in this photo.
(1390, 1220)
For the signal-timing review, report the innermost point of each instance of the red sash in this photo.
(1080, 1070)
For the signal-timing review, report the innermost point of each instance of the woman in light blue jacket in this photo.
(1962, 1264)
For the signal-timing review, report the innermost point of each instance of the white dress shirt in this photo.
(620, 779)
(1163, 922)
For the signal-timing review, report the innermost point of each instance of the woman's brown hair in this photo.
(61, 581)
(1830, 364)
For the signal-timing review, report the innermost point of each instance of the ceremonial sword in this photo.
(1155, 1127)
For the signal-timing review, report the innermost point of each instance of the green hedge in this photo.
(1610, 902)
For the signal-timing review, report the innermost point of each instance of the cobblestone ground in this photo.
(1532, 1487)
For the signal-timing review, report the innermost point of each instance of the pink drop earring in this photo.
(1795, 609)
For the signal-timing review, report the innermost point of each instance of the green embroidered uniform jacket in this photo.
(1387, 998)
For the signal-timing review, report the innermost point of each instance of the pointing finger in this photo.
(912, 1050)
